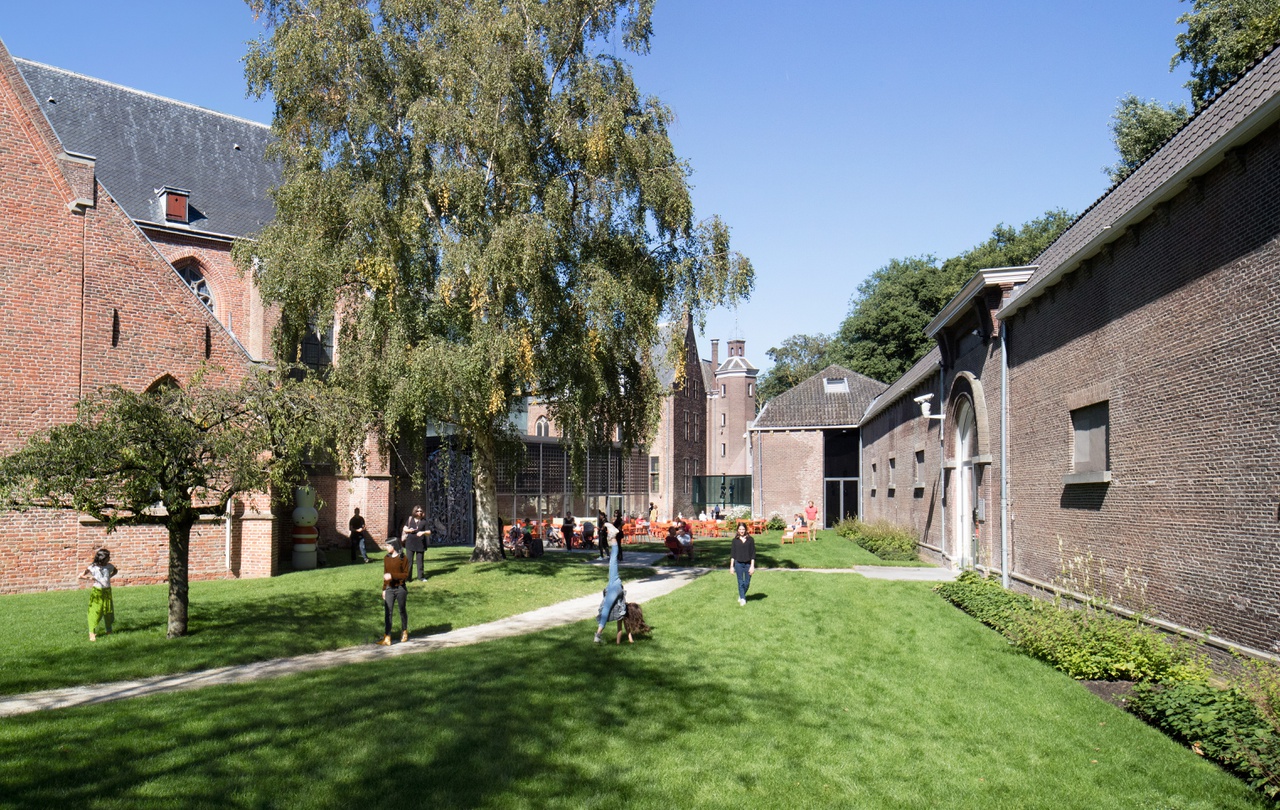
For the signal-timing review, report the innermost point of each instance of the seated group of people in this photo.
(679, 539)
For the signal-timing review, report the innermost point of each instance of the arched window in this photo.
(542, 427)
(189, 269)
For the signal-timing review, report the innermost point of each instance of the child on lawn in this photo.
(101, 608)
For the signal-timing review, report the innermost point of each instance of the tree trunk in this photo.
(483, 466)
(179, 546)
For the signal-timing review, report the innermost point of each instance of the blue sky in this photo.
(831, 136)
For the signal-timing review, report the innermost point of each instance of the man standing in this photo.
(415, 535)
(355, 529)
(811, 516)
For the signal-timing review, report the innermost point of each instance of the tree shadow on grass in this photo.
(524, 723)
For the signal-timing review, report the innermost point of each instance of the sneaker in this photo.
(597, 639)
(742, 603)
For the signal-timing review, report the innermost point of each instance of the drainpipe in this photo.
(227, 523)
(1004, 453)
(942, 452)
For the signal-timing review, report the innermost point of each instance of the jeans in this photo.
(613, 590)
(358, 541)
(390, 597)
(743, 570)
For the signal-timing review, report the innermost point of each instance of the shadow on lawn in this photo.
(521, 724)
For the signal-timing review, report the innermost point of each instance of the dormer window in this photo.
(175, 204)
(836, 385)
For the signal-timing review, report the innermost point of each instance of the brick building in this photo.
(1129, 379)
(91, 300)
(805, 443)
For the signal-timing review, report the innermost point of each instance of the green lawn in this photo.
(44, 636)
(824, 691)
(826, 550)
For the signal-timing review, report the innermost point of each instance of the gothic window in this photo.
(189, 269)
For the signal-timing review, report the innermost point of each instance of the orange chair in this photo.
(630, 533)
(804, 532)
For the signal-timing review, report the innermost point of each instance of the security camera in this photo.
(925, 401)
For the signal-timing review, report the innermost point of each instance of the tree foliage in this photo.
(1223, 38)
(492, 208)
(797, 359)
(168, 456)
(884, 335)
(1139, 128)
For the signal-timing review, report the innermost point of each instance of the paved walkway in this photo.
(557, 615)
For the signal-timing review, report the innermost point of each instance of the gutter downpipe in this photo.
(227, 522)
(1004, 454)
(942, 451)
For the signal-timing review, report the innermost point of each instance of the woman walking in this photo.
(395, 573)
(742, 559)
(101, 607)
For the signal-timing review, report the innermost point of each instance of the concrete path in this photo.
(557, 615)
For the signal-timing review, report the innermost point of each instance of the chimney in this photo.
(715, 354)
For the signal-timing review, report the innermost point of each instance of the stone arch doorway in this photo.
(965, 500)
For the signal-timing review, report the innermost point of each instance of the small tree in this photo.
(170, 455)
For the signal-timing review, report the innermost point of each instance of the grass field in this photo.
(827, 550)
(824, 691)
(45, 638)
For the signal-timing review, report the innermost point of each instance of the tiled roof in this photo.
(1254, 100)
(925, 367)
(143, 143)
(809, 404)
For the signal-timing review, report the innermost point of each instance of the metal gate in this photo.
(449, 493)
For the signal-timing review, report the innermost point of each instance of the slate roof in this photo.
(144, 142)
(738, 365)
(1235, 116)
(808, 405)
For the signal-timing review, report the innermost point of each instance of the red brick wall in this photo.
(1177, 323)
(236, 304)
(66, 279)
(788, 472)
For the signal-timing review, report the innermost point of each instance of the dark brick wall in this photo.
(1176, 326)
(900, 432)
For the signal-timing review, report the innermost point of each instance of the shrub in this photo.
(985, 600)
(1096, 646)
(775, 523)
(1221, 724)
(848, 528)
(1260, 682)
(1086, 644)
(885, 540)
(738, 513)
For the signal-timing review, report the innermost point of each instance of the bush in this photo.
(883, 539)
(848, 528)
(1087, 644)
(1095, 646)
(738, 513)
(1221, 724)
(775, 523)
(985, 600)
